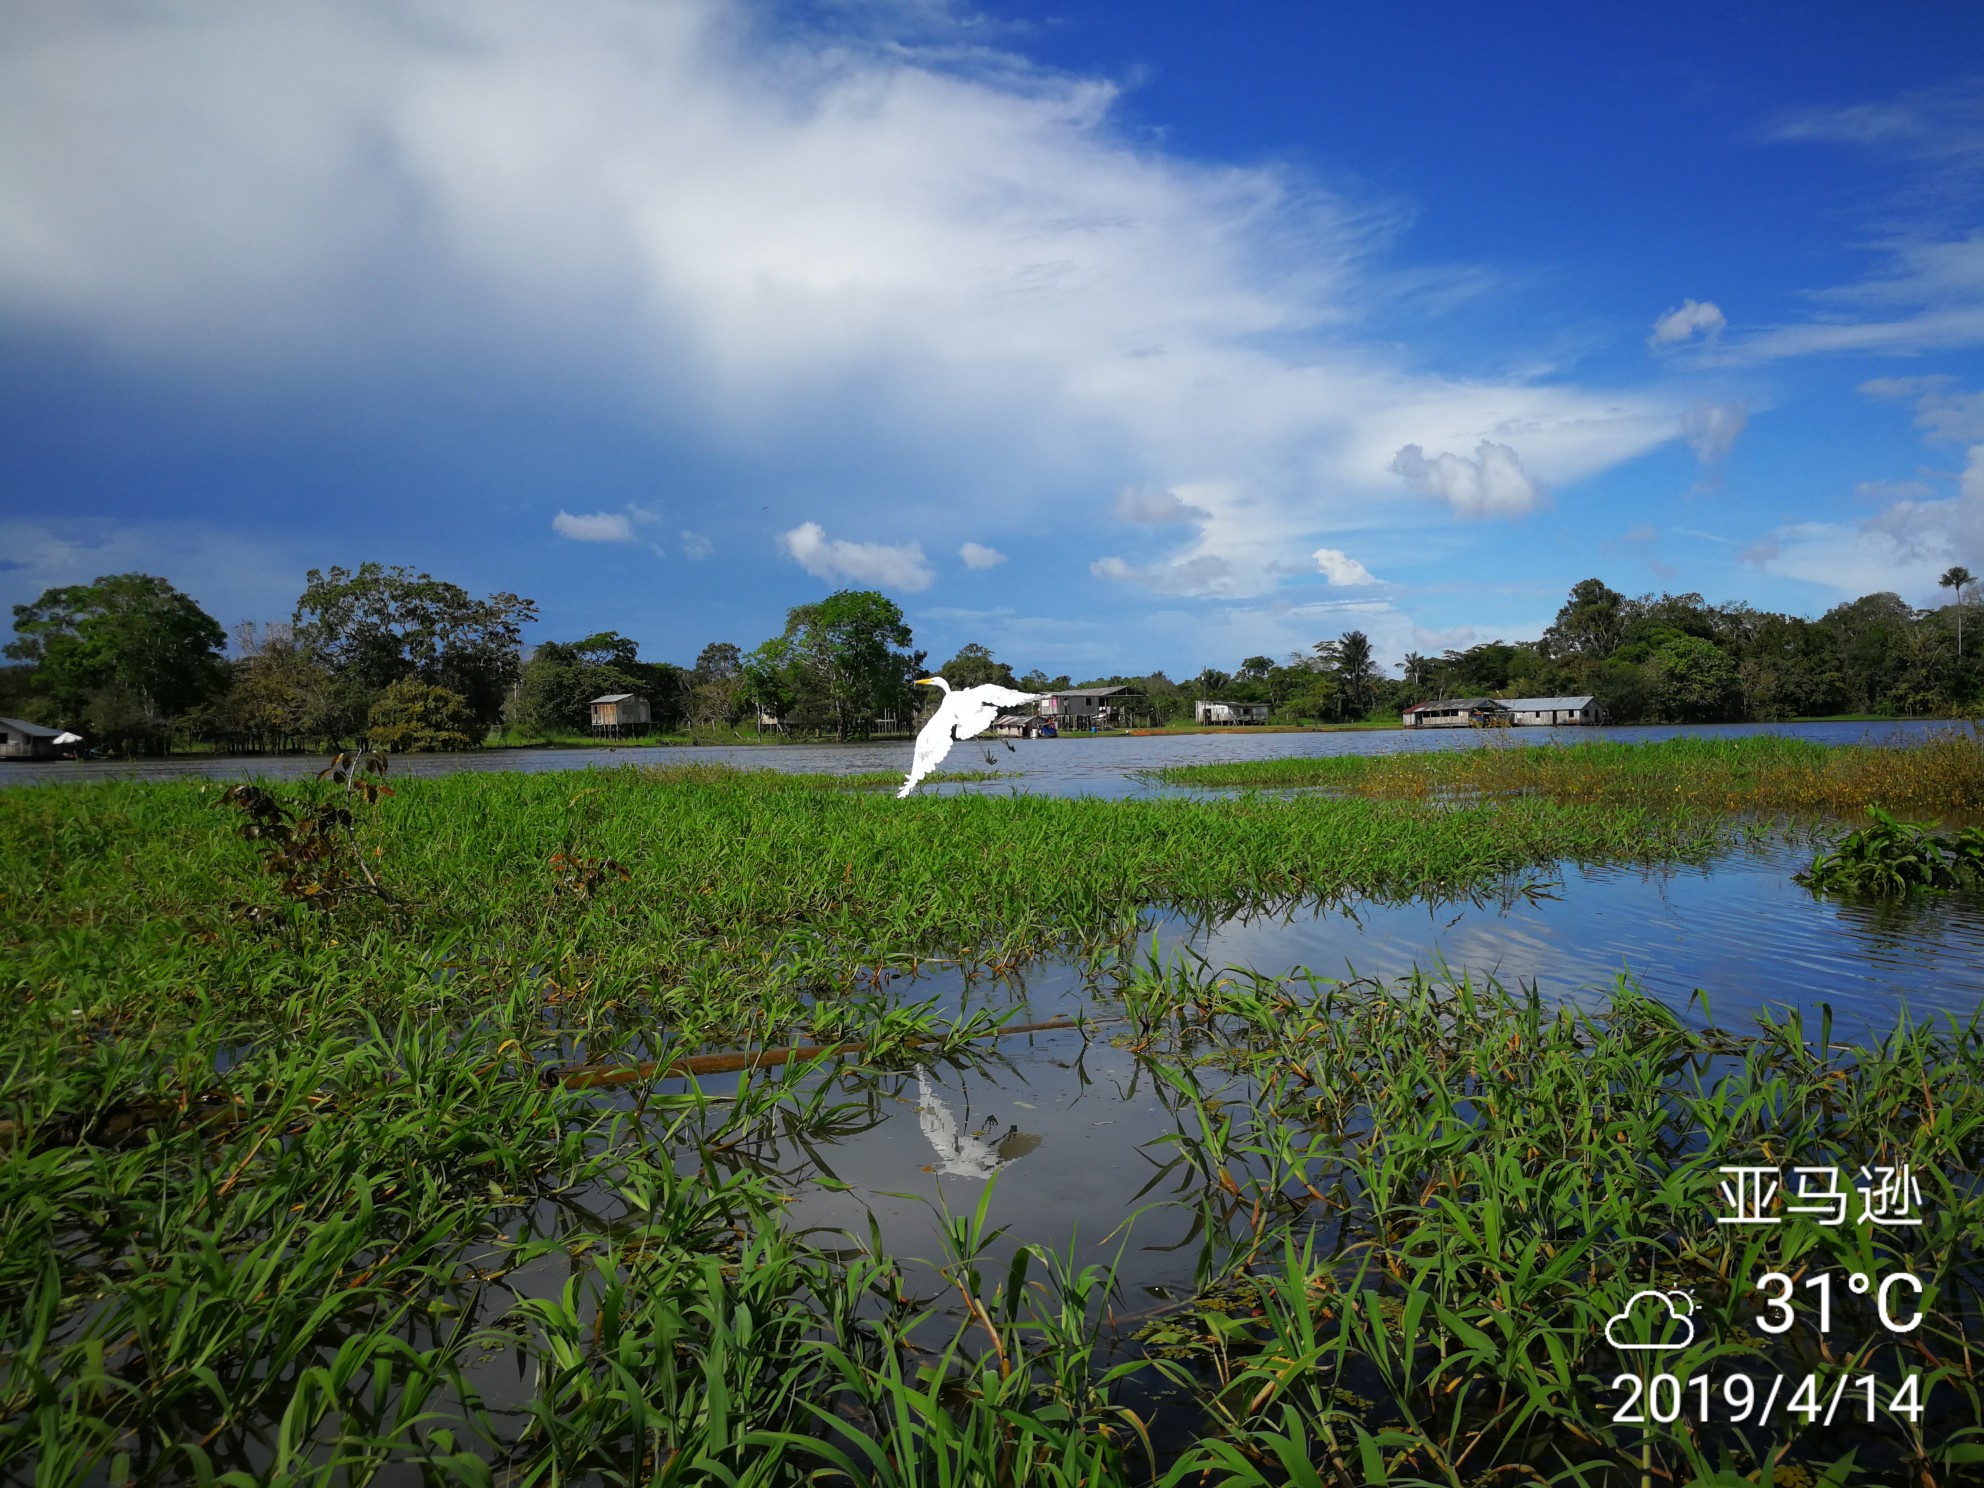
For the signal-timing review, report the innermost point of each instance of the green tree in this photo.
(608, 648)
(1870, 640)
(124, 655)
(717, 685)
(1956, 579)
(1592, 623)
(1693, 680)
(412, 715)
(841, 663)
(974, 665)
(378, 625)
(280, 697)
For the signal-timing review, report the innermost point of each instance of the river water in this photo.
(1075, 764)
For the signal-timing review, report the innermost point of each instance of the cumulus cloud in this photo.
(835, 559)
(1711, 429)
(599, 527)
(1134, 504)
(695, 545)
(910, 251)
(977, 555)
(1340, 568)
(1490, 483)
(1691, 318)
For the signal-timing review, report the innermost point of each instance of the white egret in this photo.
(962, 715)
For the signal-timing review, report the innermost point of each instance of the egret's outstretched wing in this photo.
(978, 706)
(931, 745)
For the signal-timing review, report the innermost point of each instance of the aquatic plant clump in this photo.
(1941, 775)
(1896, 857)
(735, 900)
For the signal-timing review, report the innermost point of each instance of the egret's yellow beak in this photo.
(926, 681)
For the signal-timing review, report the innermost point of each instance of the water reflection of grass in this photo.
(285, 1192)
(1939, 775)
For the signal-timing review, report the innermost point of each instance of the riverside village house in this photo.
(1205, 711)
(20, 739)
(619, 714)
(1486, 712)
(1086, 709)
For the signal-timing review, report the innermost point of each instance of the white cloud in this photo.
(1941, 412)
(695, 545)
(1134, 504)
(977, 555)
(1711, 429)
(599, 527)
(1927, 293)
(1491, 483)
(1341, 569)
(1913, 490)
(834, 559)
(1197, 574)
(1862, 124)
(1691, 318)
(734, 225)
(1904, 547)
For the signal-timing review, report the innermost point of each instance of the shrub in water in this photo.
(1896, 857)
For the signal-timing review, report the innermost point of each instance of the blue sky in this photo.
(1110, 336)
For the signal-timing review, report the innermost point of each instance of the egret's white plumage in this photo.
(962, 715)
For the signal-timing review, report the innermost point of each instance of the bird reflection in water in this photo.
(967, 1154)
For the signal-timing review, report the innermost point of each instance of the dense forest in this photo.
(400, 660)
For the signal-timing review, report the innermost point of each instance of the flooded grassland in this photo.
(674, 1126)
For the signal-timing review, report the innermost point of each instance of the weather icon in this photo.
(1679, 1308)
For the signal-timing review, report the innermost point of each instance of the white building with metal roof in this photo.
(1553, 711)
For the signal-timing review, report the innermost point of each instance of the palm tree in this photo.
(1350, 658)
(1957, 578)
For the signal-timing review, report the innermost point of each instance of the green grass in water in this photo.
(285, 1198)
(1940, 775)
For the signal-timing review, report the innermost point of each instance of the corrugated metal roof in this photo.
(34, 729)
(1547, 704)
(615, 697)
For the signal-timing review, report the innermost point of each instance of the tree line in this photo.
(400, 660)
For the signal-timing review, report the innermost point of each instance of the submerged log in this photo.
(127, 1122)
(593, 1076)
